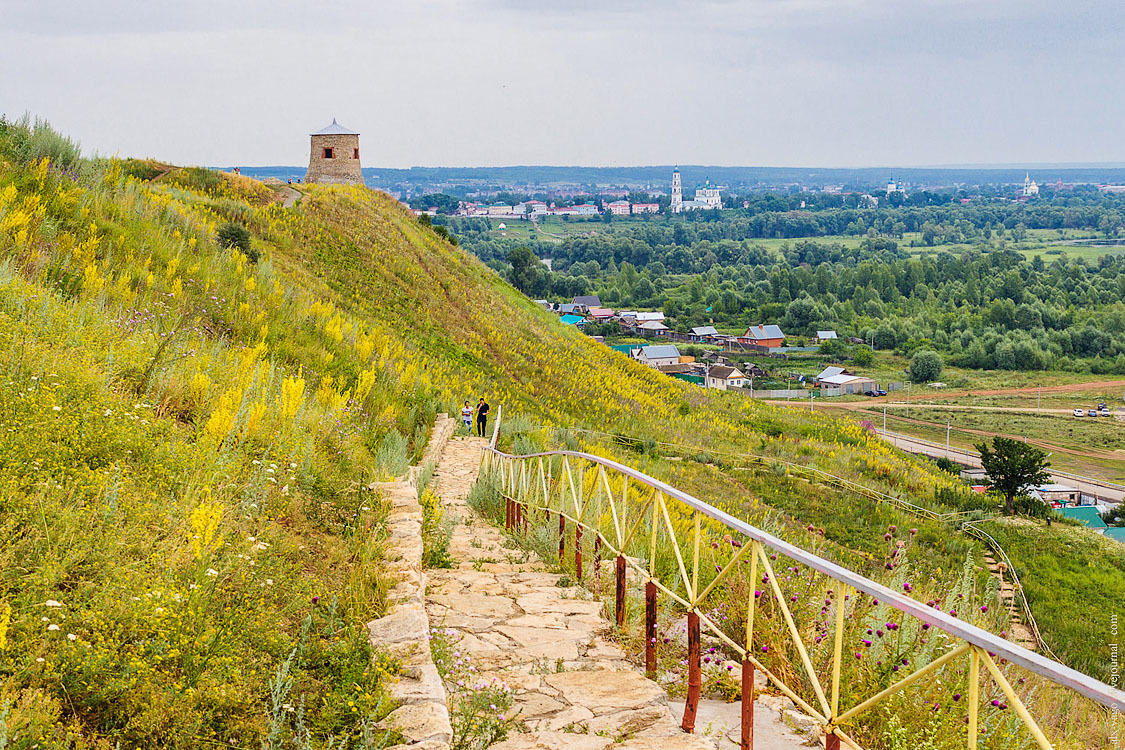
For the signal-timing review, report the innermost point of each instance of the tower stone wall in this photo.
(334, 158)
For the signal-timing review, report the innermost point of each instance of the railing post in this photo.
(695, 677)
(619, 600)
(519, 516)
(650, 630)
(831, 742)
(578, 551)
(747, 742)
(598, 564)
(562, 537)
(508, 513)
(974, 696)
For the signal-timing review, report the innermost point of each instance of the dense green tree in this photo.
(925, 366)
(1012, 467)
(525, 270)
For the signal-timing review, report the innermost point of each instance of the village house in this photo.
(702, 334)
(769, 336)
(653, 328)
(724, 378)
(831, 372)
(822, 336)
(846, 385)
(655, 356)
(599, 313)
(590, 300)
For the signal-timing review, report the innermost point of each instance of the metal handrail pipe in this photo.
(1061, 674)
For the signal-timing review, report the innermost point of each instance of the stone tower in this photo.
(334, 156)
(677, 192)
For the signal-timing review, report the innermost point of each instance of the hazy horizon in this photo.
(785, 83)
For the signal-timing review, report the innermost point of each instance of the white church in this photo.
(706, 197)
(1030, 186)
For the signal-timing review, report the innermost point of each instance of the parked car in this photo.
(1093, 412)
(882, 393)
(873, 394)
(1079, 413)
(1103, 412)
(1102, 406)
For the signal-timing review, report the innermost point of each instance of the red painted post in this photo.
(695, 678)
(526, 513)
(650, 630)
(747, 705)
(508, 513)
(578, 551)
(562, 538)
(619, 601)
(519, 516)
(831, 742)
(598, 564)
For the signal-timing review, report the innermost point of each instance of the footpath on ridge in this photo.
(572, 687)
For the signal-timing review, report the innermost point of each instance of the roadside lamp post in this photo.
(947, 439)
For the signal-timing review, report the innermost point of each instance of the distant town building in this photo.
(586, 209)
(893, 187)
(334, 156)
(677, 192)
(536, 208)
(708, 196)
(1030, 186)
(618, 208)
(646, 208)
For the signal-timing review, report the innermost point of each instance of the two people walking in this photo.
(481, 412)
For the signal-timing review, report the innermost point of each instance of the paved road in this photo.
(1105, 491)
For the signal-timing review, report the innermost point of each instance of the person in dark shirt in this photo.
(482, 416)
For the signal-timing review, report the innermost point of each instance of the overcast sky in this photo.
(584, 82)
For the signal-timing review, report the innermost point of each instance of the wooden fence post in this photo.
(695, 677)
(650, 630)
(562, 537)
(578, 551)
(747, 705)
(619, 599)
(598, 564)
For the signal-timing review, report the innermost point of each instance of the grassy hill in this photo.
(187, 431)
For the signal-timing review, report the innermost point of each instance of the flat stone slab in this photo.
(605, 691)
(553, 741)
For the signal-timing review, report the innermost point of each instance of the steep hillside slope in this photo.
(187, 431)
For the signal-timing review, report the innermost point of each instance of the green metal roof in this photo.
(1116, 532)
(1087, 514)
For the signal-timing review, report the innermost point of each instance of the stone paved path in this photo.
(573, 688)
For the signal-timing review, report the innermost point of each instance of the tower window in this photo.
(329, 153)
(355, 155)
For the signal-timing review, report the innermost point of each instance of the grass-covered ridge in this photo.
(186, 437)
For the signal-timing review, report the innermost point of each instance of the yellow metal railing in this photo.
(628, 512)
